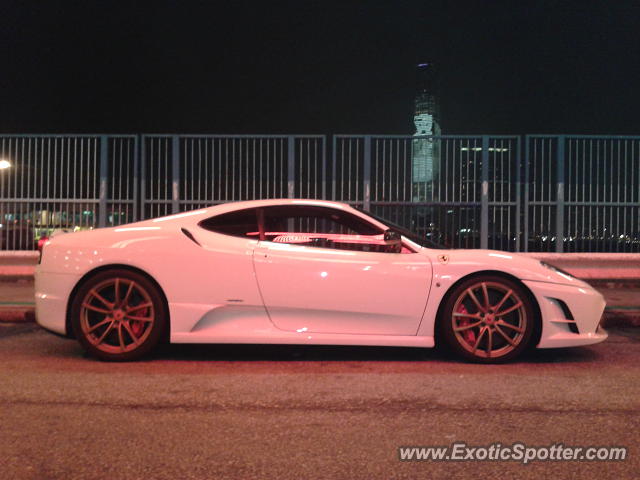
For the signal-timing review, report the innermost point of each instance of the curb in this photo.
(17, 314)
(16, 278)
(621, 317)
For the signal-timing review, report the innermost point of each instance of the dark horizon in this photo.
(321, 68)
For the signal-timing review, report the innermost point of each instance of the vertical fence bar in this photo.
(560, 195)
(104, 158)
(484, 198)
(136, 175)
(324, 167)
(366, 174)
(143, 177)
(175, 168)
(518, 171)
(333, 167)
(527, 140)
(291, 167)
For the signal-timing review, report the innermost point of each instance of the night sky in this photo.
(317, 67)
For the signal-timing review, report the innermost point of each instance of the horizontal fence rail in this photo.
(548, 193)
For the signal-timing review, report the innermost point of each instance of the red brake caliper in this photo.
(138, 327)
(468, 335)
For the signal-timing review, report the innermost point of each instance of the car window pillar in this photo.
(260, 214)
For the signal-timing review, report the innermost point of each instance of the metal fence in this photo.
(536, 193)
(469, 196)
(65, 181)
(191, 171)
(582, 193)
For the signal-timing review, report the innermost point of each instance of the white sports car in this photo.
(302, 272)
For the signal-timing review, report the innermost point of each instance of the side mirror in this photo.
(391, 237)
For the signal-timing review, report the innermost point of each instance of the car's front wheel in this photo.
(118, 315)
(488, 319)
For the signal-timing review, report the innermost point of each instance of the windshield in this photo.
(406, 233)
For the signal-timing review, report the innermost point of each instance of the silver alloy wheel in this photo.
(117, 315)
(489, 319)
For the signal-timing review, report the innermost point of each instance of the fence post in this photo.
(175, 168)
(525, 203)
(518, 191)
(333, 167)
(484, 199)
(366, 190)
(560, 196)
(324, 167)
(291, 167)
(104, 158)
(143, 176)
(136, 175)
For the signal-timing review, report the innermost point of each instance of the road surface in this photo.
(242, 412)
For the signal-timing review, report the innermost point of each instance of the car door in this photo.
(317, 272)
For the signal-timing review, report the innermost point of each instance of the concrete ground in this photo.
(229, 412)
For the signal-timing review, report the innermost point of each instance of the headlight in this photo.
(557, 270)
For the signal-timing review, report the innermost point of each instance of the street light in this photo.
(4, 164)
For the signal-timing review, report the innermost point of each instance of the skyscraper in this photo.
(425, 155)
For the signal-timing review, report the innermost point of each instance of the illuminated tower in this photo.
(425, 155)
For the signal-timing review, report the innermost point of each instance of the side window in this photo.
(322, 227)
(242, 223)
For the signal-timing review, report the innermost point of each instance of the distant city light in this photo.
(479, 149)
(4, 164)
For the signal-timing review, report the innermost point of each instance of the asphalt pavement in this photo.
(244, 412)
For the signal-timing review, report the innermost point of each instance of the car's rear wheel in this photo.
(488, 319)
(118, 315)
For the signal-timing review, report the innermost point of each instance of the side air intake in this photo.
(190, 236)
(568, 315)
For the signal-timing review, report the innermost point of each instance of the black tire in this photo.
(488, 319)
(118, 315)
